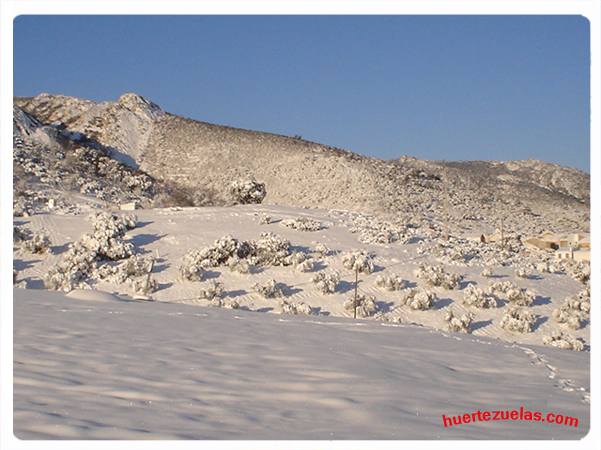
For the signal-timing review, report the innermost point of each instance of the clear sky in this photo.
(434, 87)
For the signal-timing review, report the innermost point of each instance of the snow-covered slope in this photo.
(168, 234)
(97, 367)
(203, 159)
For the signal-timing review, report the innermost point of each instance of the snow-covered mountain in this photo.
(202, 159)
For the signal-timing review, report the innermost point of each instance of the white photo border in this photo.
(10, 9)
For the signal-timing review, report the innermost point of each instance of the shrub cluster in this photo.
(458, 324)
(298, 308)
(302, 224)
(476, 297)
(326, 282)
(105, 243)
(361, 261)
(269, 289)
(563, 340)
(437, 276)
(213, 289)
(418, 299)
(365, 305)
(520, 296)
(518, 320)
(391, 282)
(575, 310)
(245, 192)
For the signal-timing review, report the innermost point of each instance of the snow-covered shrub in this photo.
(574, 311)
(476, 297)
(38, 243)
(191, 268)
(501, 287)
(223, 303)
(264, 219)
(391, 282)
(563, 340)
(20, 234)
(239, 265)
(520, 296)
(487, 272)
(271, 249)
(298, 308)
(269, 289)
(361, 261)
(522, 272)
(308, 265)
(213, 289)
(518, 320)
(144, 286)
(104, 243)
(437, 276)
(418, 298)
(322, 249)
(326, 282)
(246, 192)
(69, 273)
(220, 253)
(302, 224)
(134, 266)
(365, 306)
(580, 272)
(458, 324)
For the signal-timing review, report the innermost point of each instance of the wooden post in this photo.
(355, 299)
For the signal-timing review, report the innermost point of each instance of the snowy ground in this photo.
(171, 233)
(90, 365)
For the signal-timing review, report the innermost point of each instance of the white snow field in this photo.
(93, 366)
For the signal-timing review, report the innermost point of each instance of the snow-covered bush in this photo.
(264, 219)
(580, 272)
(391, 282)
(132, 267)
(302, 224)
(213, 289)
(518, 320)
(476, 297)
(487, 272)
(458, 324)
(563, 340)
(308, 265)
(322, 249)
(361, 261)
(37, 244)
(104, 243)
(298, 308)
(271, 249)
(326, 282)
(144, 286)
(239, 265)
(418, 298)
(365, 306)
(437, 276)
(574, 311)
(269, 289)
(520, 296)
(501, 287)
(191, 268)
(20, 234)
(247, 192)
(522, 272)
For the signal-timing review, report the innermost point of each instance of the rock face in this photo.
(529, 196)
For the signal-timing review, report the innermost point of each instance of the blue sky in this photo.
(434, 87)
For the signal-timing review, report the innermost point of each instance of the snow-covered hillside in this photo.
(168, 235)
(90, 366)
